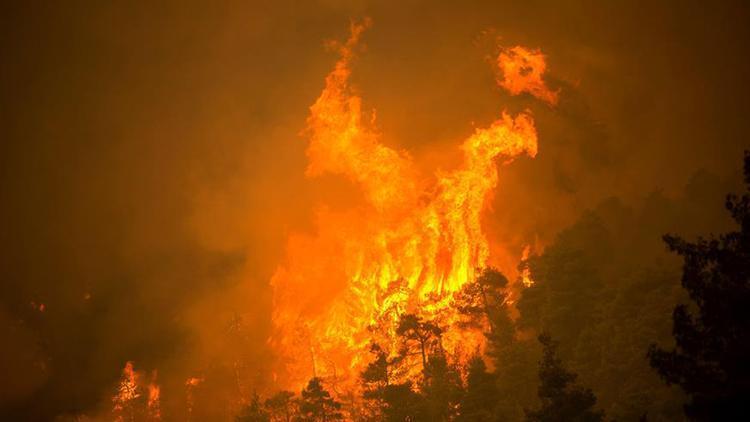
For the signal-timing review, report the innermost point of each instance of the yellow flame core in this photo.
(412, 244)
(127, 389)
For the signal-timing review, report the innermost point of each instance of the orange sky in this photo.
(152, 160)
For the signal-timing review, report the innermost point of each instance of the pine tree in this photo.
(481, 393)
(375, 376)
(391, 401)
(375, 380)
(280, 406)
(561, 399)
(253, 412)
(710, 360)
(425, 333)
(402, 403)
(441, 388)
(484, 304)
(317, 405)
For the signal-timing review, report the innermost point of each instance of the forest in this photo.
(363, 211)
(606, 348)
(616, 326)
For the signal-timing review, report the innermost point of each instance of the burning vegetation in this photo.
(411, 248)
(265, 247)
(136, 399)
(396, 291)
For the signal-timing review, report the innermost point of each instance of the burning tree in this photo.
(253, 412)
(134, 400)
(425, 334)
(317, 405)
(421, 232)
(281, 406)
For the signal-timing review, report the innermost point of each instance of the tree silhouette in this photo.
(280, 406)
(710, 360)
(484, 304)
(392, 401)
(481, 393)
(413, 329)
(402, 403)
(441, 388)
(375, 379)
(561, 399)
(253, 412)
(376, 376)
(317, 405)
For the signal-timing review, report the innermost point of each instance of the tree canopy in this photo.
(712, 340)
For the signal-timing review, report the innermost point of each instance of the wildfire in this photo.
(522, 71)
(128, 388)
(127, 392)
(190, 385)
(128, 403)
(413, 242)
(525, 271)
(154, 393)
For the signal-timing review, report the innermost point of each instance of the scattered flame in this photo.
(190, 385)
(128, 404)
(193, 382)
(154, 393)
(413, 242)
(525, 271)
(522, 71)
(127, 392)
(41, 307)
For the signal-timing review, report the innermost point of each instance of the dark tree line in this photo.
(712, 334)
(314, 404)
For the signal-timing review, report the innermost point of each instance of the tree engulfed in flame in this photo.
(154, 396)
(127, 393)
(129, 403)
(413, 243)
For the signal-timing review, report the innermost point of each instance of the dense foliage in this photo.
(712, 335)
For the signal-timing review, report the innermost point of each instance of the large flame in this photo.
(412, 243)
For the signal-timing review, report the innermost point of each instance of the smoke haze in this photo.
(152, 167)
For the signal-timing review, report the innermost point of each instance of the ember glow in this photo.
(136, 398)
(127, 393)
(154, 397)
(414, 241)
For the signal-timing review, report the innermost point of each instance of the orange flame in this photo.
(190, 385)
(525, 271)
(154, 393)
(130, 389)
(412, 243)
(127, 391)
(522, 71)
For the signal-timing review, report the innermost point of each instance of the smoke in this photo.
(151, 164)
